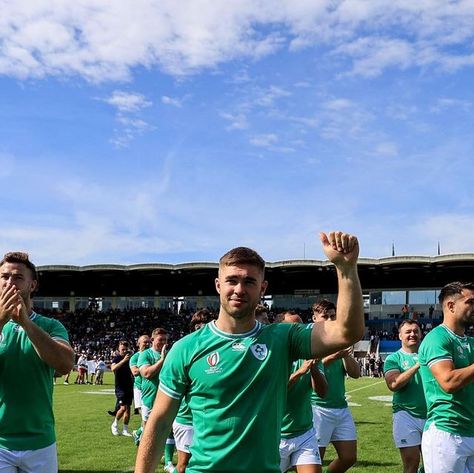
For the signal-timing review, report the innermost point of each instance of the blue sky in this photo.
(165, 131)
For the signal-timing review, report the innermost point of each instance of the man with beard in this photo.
(447, 368)
(234, 371)
(32, 348)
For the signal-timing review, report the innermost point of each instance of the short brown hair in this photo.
(21, 258)
(202, 316)
(242, 255)
(159, 331)
(261, 309)
(454, 288)
(323, 306)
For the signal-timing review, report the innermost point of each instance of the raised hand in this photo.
(8, 304)
(341, 248)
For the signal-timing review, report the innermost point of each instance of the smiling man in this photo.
(409, 406)
(234, 371)
(32, 348)
(447, 369)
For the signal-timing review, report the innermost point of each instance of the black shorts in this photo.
(124, 398)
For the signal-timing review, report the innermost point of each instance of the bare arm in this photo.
(396, 380)
(151, 371)
(351, 366)
(318, 381)
(451, 379)
(157, 429)
(348, 327)
(134, 369)
(57, 354)
(301, 371)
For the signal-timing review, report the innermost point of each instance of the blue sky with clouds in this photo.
(162, 131)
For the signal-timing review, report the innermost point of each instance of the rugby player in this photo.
(447, 368)
(409, 406)
(235, 371)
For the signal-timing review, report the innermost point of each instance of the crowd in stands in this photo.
(95, 334)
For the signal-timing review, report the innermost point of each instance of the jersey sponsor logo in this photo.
(238, 346)
(213, 359)
(260, 351)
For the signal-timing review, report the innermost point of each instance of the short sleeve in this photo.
(57, 331)
(391, 364)
(143, 359)
(174, 379)
(299, 342)
(440, 350)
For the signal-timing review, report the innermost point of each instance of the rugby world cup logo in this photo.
(213, 359)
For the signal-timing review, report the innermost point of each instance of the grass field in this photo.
(86, 444)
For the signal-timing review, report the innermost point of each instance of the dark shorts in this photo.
(124, 398)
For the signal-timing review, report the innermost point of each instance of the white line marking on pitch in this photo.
(363, 387)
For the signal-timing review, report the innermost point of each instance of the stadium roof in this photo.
(285, 277)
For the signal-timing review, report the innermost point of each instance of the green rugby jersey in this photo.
(149, 386)
(26, 387)
(137, 380)
(298, 417)
(411, 397)
(184, 415)
(336, 395)
(454, 412)
(236, 386)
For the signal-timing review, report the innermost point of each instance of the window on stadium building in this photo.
(423, 297)
(394, 297)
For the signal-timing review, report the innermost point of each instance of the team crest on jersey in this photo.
(238, 346)
(260, 351)
(461, 352)
(18, 328)
(405, 364)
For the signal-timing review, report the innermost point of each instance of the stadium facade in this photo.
(388, 284)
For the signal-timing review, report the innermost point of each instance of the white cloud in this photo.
(264, 140)
(238, 120)
(175, 102)
(127, 102)
(267, 98)
(104, 41)
(443, 104)
(446, 228)
(128, 105)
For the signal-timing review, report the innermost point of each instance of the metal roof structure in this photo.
(284, 277)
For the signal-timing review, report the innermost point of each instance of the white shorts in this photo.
(301, 450)
(137, 397)
(407, 430)
(43, 460)
(183, 436)
(146, 411)
(332, 425)
(444, 452)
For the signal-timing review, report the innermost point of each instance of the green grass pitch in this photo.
(85, 442)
